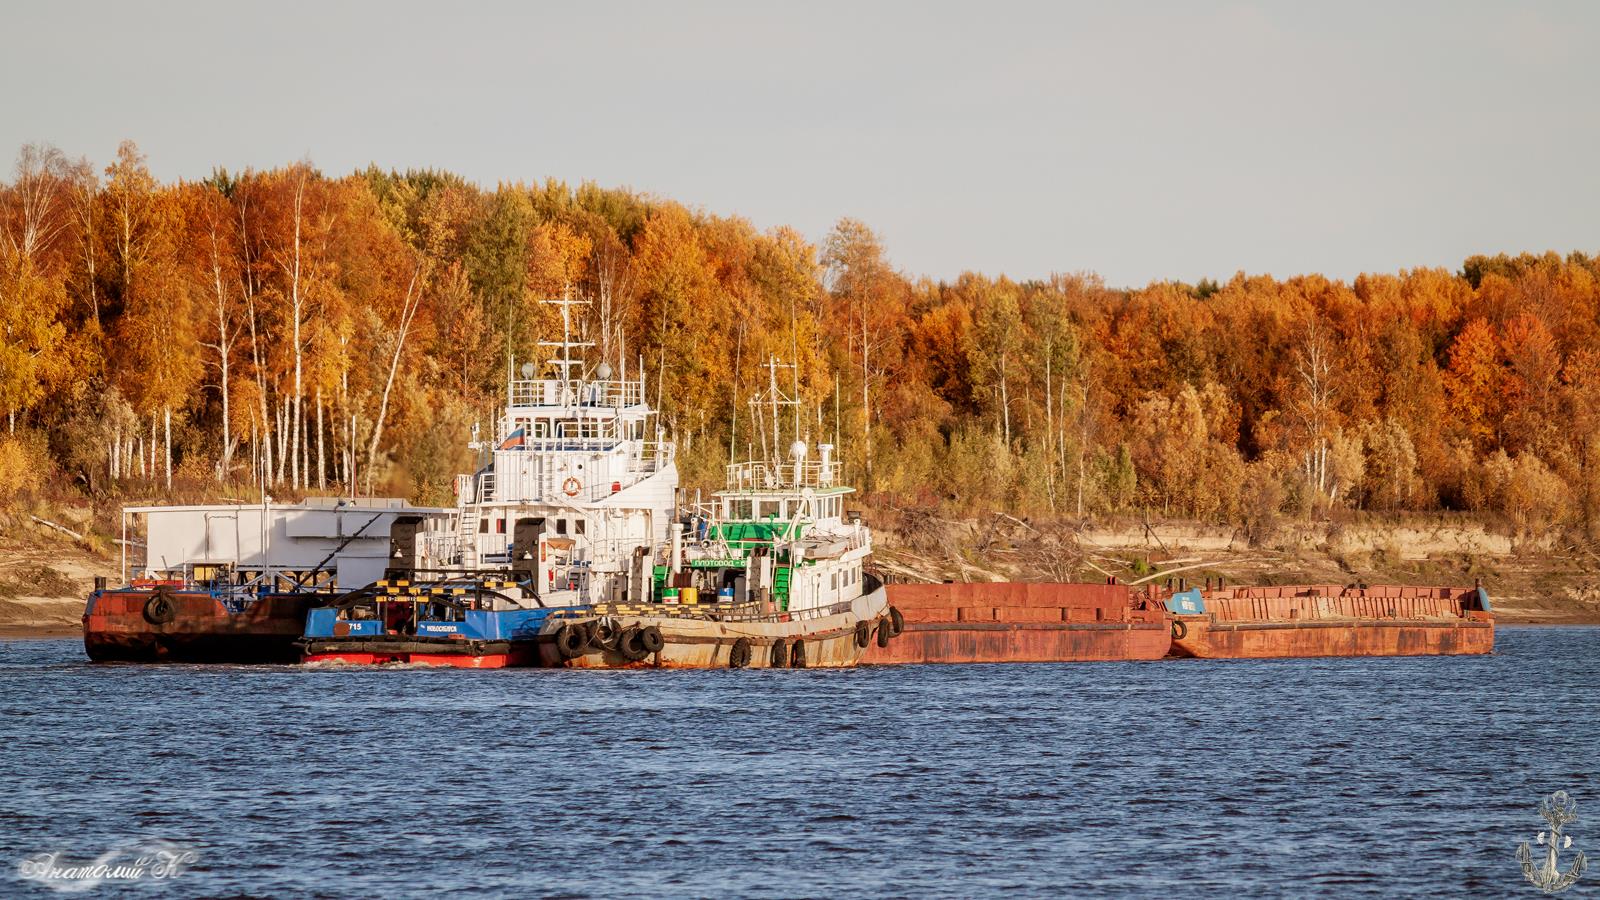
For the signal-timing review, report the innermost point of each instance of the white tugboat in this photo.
(575, 487)
(770, 576)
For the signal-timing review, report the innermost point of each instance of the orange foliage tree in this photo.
(316, 332)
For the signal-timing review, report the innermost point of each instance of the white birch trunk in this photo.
(322, 472)
(407, 311)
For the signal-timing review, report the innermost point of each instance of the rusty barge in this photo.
(1329, 620)
(1023, 622)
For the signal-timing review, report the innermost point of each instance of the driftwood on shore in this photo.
(61, 528)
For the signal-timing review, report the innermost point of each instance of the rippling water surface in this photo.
(1289, 777)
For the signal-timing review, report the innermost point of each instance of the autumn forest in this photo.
(300, 332)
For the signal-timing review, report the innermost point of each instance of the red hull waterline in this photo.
(450, 654)
(453, 660)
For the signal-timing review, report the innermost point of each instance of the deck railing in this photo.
(761, 476)
(557, 392)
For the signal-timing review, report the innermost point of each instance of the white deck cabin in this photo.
(268, 544)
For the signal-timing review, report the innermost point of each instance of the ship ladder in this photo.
(468, 537)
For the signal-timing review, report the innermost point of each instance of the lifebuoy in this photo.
(160, 610)
(1180, 630)
(571, 486)
(739, 656)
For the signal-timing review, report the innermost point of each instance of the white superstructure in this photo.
(576, 482)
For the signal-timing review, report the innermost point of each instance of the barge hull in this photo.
(1276, 640)
(201, 630)
(1022, 622)
(1330, 620)
(933, 642)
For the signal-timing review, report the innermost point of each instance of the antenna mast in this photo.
(566, 362)
(774, 398)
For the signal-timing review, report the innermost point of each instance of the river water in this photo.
(1325, 777)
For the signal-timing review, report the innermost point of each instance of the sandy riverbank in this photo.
(45, 578)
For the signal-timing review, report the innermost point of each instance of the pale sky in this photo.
(1143, 141)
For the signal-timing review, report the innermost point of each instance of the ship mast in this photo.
(566, 362)
(774, 398)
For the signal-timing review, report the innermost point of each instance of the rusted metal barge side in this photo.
(1330, 620)
(172, 624)
(1022, 622)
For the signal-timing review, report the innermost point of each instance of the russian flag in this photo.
(514, 439)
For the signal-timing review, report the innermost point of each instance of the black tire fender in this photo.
(898, 622)
(570, 640)
(603, 635)
(628, 644)
(739, 656)
(780, 653)
(650, 639)
(797, 654)
(1180, 630)
(160, 610)
(885, 632)
(863, 633)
